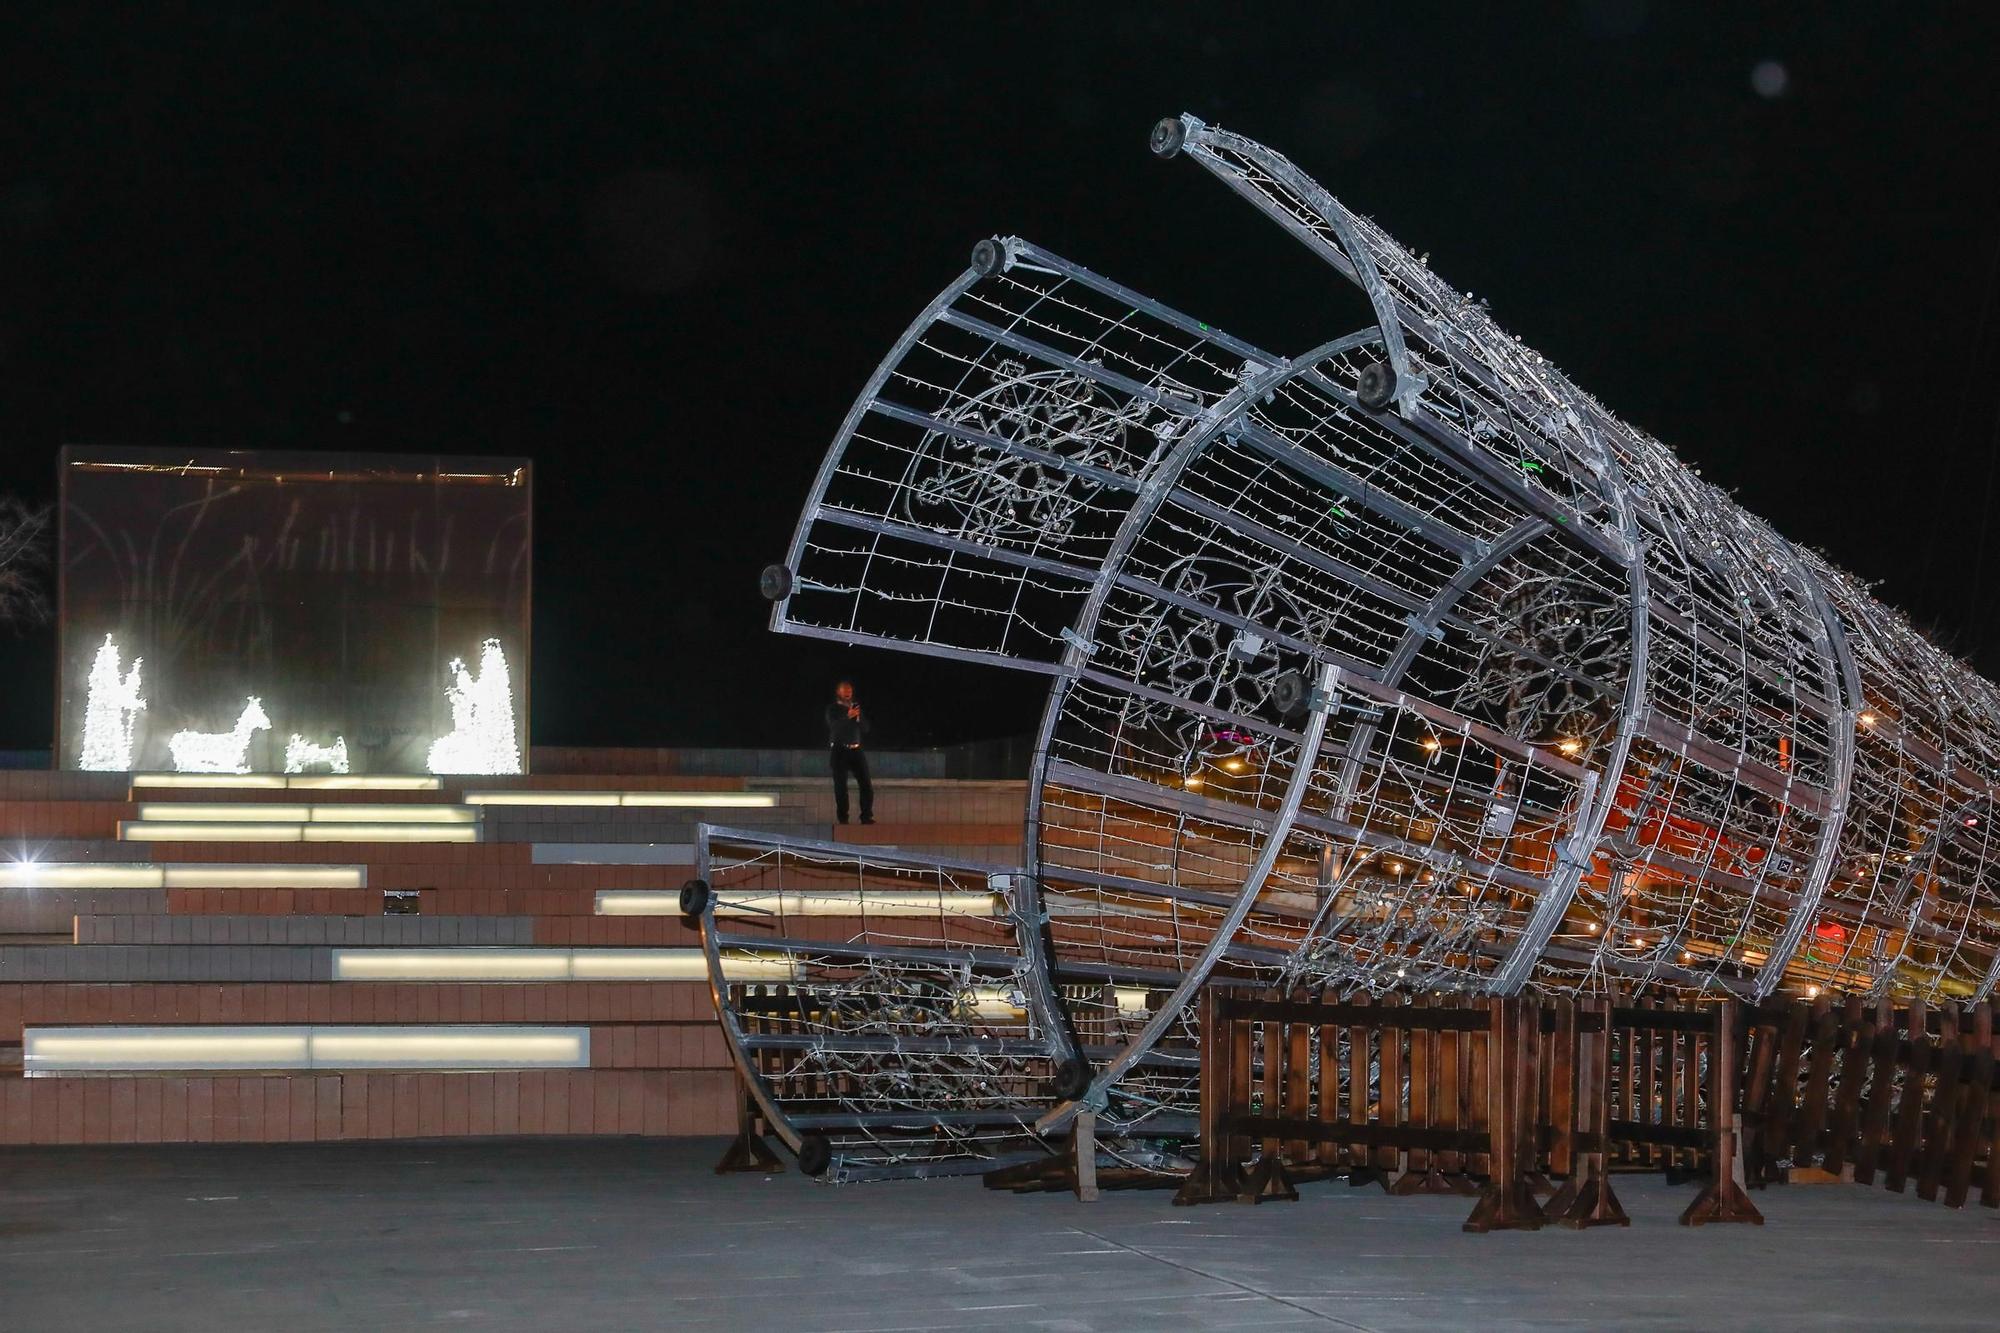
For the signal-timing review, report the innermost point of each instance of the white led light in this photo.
(442, 1047)
(579, 798)
(215, 781)
(450, 964)
(223, 751)
(259, 812)
(141, 830)
(737, 800)
(79, 1050)
(301, 753)
(130, 875)
(482, 737)
(391, 833)
(392, 814)
(30, 875)
(145, 830)
(278, 876)
(834, 902)
(110, 709)
(450, 1048)
(363, 782)
(297, 781)
(239, 813)
(481, 964)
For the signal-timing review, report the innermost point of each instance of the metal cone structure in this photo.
(1399, 663)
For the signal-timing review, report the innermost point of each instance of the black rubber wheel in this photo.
(775, 583)
(1168, 136)
(1073, 1079)
(1288, 694)
(1377, 387)
(694, 897)
(815, 1154)
(988, 257)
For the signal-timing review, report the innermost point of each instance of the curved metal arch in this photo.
(1351, 256)
(1833, 822)
(1153, 493)
(830, 464)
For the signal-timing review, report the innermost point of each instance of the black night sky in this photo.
(658, 249)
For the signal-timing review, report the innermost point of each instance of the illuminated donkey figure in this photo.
(220, 752)
(301, 753)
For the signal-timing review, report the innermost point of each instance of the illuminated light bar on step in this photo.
(443, 1047)
(586, 964)
(145, 875)
(291, 782)
(759, 800)
(833, 902)
(250, 812)
(142, 830)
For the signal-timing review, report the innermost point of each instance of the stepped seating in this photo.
(260, 957)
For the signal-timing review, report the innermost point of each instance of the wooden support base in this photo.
(1506, 1206)
(1210, 1182)
(749, 1151)
(1584, 1203)
(1267, 1181)
(1432, 1181)
(1722, 1201)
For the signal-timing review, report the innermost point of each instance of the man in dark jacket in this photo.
(845, 728)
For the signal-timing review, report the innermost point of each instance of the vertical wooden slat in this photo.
(1562, 1080)
(1813, 1104)
(1326, 1105)
(1759, 1067)
(1421, 1084)
(1687, 1101)
(1359, 1043)
(1840, 1140)
(1444, 1061)
(1632, 1069)
(1298, 1086)
(1916, 1064)
(1390, 1069)
(1479, 1046)
(1943, 1110)
(1881, 1099)
(1975, 1096)
(1782, 1103)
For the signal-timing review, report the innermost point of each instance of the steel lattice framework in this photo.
(1400, 663)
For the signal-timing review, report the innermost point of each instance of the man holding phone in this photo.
(845, 728)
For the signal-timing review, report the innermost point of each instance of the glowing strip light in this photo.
(131, 875)
(247, 812)
(293, 782)
(90, 1050)
(833, 902)
(139, 830)
(760, 800)
(482, 964)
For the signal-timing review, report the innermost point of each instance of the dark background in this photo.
(659, 248)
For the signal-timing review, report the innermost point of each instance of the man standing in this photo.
(844, 729)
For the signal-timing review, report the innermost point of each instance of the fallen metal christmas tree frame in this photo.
(1397, 665)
